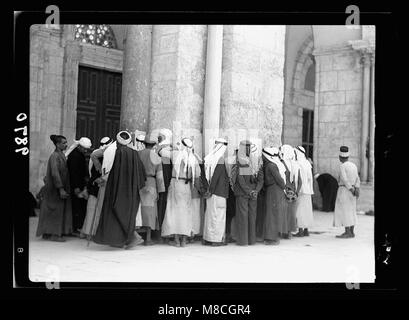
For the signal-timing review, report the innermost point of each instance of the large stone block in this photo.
(353, 97)
(271, 64)
(168, 43)
(332, 98)
(324, 62)
(329, 113)
(349, 80)
(246, 59)
(164, 67)
(350, 112)
(344, 61)
(328, 81)
(163, 94)
(192, 40)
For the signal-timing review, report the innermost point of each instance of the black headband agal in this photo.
(299, 149)
(270, 154)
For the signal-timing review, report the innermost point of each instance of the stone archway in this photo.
(299, 108)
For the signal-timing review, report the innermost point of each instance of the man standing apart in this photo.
(348, 192)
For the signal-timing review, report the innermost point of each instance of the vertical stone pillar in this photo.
(372, 123)
(70, 89)
(252, 85)
(365, 116)
(211, 112)
(136, 78)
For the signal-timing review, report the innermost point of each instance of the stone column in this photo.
(70, 89)
(372, 123)
(365, 116)
(211, 112)
(136, 78)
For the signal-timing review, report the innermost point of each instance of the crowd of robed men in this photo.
(159, 187)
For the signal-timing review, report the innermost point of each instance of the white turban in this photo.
(123, 141)
(105, 140)
(85, 142)
(167, 134)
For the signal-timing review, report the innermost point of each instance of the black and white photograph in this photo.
(202, 153)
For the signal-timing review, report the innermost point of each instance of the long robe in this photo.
(275, 203)
(178, 215)
(199, 189)
(127, 177)
(55, 213)
(345, 204)
(246, 207)
(153, 186)
(290, 223)
(167, 176)
(78, 170)
(215, 215)
(93, 190)
(303, 204)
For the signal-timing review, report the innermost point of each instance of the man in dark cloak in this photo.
(127, 177)
(79, 175)
(163, 150)
(328, 186)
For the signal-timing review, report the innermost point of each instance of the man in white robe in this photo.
(218, 192)
(348, 192)
(303, 204)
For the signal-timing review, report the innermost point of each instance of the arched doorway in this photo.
(300, 99)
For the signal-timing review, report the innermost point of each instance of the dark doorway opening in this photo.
(308, 132)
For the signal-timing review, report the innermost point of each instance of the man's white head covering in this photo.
(124, 141)
(104, 143)
(305, 171)
(109, 157)
(109, 153)
(344, 151)
(85, 142)
(185, 155)
(288, 156)
(273, 155)
(139, 139)
(167, 136)
(105, 140)
(213, 158)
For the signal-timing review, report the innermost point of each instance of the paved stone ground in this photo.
(318, 258)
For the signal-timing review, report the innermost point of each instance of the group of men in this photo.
(159, 186)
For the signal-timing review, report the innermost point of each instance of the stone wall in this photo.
(54, 60)
(338, 106)
(177, 80)
(46, 87)
(253, 84)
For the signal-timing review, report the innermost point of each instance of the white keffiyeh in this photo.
(212, 159)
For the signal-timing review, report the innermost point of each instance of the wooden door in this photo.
(99, 104)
